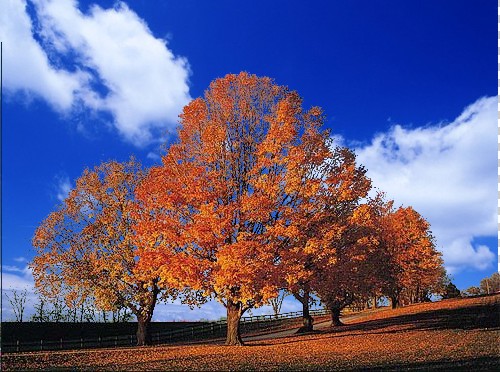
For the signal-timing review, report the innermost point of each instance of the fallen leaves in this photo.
(415, 336)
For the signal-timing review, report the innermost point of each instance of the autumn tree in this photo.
(329, 195)
(472, 291)
(351, 262)
(219, 206)
(86, 249)
(414, 266)
(491, 284)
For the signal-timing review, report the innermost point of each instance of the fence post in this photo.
(17, 345)
(81, 343)
(99, 341)
(41, 344)
(116, 341)
(131, 340)
(61, 344)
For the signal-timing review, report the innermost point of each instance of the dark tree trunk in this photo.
(307, 320)
(335, 312)
(394, 302)
(144, 315)
(143, 336)
(234, 313)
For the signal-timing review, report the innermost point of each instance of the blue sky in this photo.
(411, 86)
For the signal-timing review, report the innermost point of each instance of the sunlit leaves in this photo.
(222, 206)
(86, 247)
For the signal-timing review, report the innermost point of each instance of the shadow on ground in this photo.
(465, 318)
(470, 364)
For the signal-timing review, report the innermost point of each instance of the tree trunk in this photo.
(144, 315)
(307, 320)
(335, 312)
(394, 302)
(143, 336)
(233, 324)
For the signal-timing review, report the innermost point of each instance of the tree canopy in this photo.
(251, 200)
(86, 248)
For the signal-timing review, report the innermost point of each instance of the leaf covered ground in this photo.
(452, 334)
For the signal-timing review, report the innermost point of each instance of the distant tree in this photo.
(277, 302)
(472, 291)
(350, 266)
(86, 248)
(121, 314)
(58, 311)
(413, 266)
(41, 312)
(321, 219)
(450, 290)
(491, 284)
(18, 302)
(88, 310)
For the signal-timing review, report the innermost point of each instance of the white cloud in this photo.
(115, 64)
(17, 279)
(448, 173)
(63, 188)
(153, 156)
(20, 259)
(212, 310)
(26, 66)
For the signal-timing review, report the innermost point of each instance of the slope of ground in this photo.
(453, 334)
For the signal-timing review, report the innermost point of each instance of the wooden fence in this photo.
(209, 330)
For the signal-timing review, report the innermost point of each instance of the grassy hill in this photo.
(459, 334)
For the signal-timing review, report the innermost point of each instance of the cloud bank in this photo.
(447, 172)
(106, 60)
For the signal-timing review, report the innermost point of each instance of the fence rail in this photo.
(204, 331)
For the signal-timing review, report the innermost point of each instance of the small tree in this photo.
(41, 314)
(18, 302)
(451, 291)
(491, 284)
(472, 291)
(121, 314)
(277, 302)
(58, 312)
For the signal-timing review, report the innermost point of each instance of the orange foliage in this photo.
(86, 247)
(414, 267)
(223, 205)
(252, 198)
